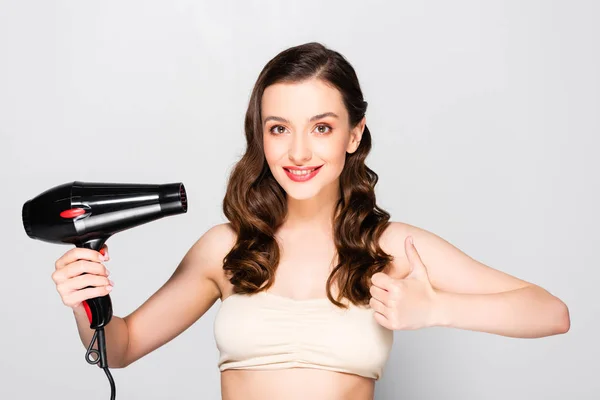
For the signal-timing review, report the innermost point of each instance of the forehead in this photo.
(301, 100)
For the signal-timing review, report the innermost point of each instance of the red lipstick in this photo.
(297, 174)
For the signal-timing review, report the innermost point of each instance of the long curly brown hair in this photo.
(255, 204)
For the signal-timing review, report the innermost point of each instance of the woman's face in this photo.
(306, 135)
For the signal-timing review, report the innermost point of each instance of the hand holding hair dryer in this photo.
(86, 215)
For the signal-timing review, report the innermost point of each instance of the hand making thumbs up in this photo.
(408, 303)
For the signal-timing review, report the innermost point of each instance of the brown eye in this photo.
(323, 129)
(277, 129)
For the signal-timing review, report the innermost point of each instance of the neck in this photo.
(314, 212)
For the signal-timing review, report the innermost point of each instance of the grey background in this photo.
(485, 124)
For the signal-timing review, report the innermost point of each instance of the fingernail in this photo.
(111, 282)
(410, 239)
(109, 288)
(107, 272)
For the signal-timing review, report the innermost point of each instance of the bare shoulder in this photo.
(215, 243)
(393, 238)
(429, 244)
(394, 231)
(211, 248)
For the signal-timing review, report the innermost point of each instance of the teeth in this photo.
(300, 173)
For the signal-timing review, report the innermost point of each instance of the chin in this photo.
(301, 193)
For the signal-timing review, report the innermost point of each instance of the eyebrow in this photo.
(316, 117)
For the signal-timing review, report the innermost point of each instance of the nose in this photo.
(299, 151)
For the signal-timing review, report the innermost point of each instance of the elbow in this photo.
(121, 362)
(121, 365)
(118, 365)
(561, 317)
(125, 362)
(554, 314)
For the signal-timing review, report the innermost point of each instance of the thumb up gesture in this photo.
(404, 304)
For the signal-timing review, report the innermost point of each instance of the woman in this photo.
(312, 275)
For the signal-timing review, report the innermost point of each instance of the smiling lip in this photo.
(304, 176)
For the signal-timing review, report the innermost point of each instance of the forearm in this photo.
(529, 312)
(116, 333)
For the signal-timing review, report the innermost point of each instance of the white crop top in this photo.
(269, 331)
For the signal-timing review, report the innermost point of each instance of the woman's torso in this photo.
(305, 264)
(294, 384)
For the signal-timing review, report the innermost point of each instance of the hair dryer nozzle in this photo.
(25, 217)
(173, 199)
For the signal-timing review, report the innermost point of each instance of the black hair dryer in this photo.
(86, 215)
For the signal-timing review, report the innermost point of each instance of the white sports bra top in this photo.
(269, 331)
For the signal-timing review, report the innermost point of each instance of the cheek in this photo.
(332, 150)
(272, 150)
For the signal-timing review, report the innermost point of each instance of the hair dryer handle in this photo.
(98, 309)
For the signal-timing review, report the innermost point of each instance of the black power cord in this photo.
(101, 357)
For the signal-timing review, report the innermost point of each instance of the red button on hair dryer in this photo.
(86, 215)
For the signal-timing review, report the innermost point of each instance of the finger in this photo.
(77, 297)
(382, 320)
(83, 281)
(380, 294)
(382, 280)
(80, 267)
(77, 268)
(378, 306)
(76, 254)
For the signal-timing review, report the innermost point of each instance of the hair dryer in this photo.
(86, 215)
